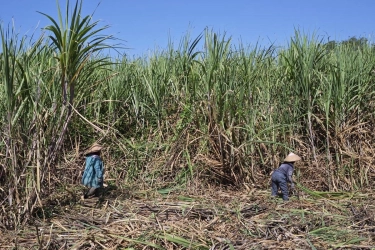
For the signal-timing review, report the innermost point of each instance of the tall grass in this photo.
(238, 112)
(36, 118)
(76, 41)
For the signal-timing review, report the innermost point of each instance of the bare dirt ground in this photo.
(214, 219)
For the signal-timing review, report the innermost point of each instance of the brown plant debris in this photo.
(217, 220)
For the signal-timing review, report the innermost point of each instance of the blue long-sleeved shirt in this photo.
(94, 171)
(286, 169)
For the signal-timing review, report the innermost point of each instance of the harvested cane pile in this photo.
(216, 220)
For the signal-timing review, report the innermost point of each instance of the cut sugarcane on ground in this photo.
(213, 219)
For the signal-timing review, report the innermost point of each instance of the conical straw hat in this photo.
(292, 158)
(94, 148)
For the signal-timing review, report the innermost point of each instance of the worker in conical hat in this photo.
(94, 170)
(283, 175)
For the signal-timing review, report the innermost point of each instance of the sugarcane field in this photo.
(201, 145)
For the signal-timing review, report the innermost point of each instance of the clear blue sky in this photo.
(146, 25)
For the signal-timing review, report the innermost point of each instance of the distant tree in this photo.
(330, 45)
(355, 43)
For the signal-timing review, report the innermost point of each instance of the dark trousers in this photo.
(279, 181)
(92, 192)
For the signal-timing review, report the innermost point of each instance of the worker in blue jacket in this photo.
(94, 170)
(282, 175)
